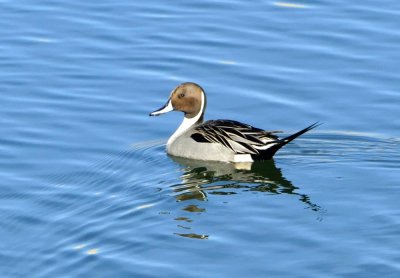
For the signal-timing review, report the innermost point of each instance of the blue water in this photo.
(86, 188)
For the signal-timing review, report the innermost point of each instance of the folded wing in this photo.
(240, 138)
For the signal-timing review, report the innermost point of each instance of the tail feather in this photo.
(275, 146)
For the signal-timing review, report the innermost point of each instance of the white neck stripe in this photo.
(187, 122)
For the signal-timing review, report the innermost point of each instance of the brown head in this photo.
(187, 97)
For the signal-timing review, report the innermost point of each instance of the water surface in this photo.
(88, 190)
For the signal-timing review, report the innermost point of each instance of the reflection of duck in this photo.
(221, 178)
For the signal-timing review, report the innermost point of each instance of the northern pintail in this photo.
(218, 140)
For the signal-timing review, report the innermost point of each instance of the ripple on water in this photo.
(78, 79)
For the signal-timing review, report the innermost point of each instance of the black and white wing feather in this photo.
(244, 139)
(240, 138)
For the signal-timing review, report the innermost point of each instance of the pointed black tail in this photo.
(270, 152)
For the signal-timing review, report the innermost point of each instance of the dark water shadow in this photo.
(203, 178)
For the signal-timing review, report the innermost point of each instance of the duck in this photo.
(217, 140)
